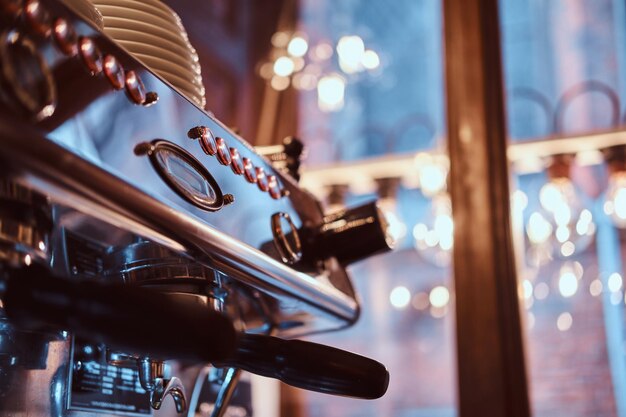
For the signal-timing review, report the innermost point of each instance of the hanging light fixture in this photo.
(562, 225)
(615, 202)
(433, 236)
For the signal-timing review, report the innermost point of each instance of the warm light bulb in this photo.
(284, 66)
(395, 226)
(434, 235)
(370, 60)
(439, 296)
(561, 225)
(614, 283)
(297, 46)
(433, 176)
(350, 50)
(330, 92)
(564, 321)
(568, 284)
(400, 297)
(304, 81)
(279, 83)
(615, 204)
(322, 52)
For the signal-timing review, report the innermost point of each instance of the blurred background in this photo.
(362, 84)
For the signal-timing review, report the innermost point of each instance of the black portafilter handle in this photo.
(130, 319)
(311, 366)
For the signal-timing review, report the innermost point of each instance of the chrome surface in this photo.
(116, 218)
(226, 392)
(82, 158)
(200, 380)
(153, 379)
(149, 371)
(172, 387)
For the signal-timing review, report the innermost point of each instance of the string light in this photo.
(330, 92)
(615, 204)
(350, 50)
(400, 297)
(370, 60)
(568, 284)
(614, 282)
(564, 321)
(595, 288)
(283, 66)
(297, 46)
(439, 297)
(434, 236)
(561, 226)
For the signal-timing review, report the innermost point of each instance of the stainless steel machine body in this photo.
(107, 174)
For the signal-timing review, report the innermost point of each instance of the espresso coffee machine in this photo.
(145, 248)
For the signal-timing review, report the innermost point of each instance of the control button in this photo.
(151, 98)
(135, 88)
(38, 17)
(286, 238)
(11, 8)
(24, 69)
(248, 170)
(91, 55)
(229, 199)
(261, 179)
(114, 72)
(236, 162)
(206, 138)
(223, 154)
(274, 187)
(65, 37)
